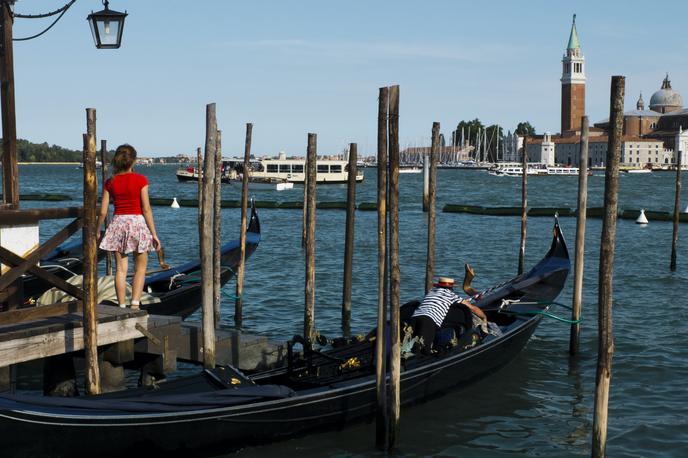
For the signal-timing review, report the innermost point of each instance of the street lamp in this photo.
(106, 27)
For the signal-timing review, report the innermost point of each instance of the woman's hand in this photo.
(156, 242)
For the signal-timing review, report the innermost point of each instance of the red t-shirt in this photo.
(125, 192)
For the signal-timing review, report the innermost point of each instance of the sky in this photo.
(294, 67)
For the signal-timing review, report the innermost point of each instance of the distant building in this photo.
(650, 136)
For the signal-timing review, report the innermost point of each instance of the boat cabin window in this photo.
(272, 168)
(297, 168)
(285, 168)
(335, 168)
(323, 168)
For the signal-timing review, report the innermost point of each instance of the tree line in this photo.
(43, 152)
(489, 137)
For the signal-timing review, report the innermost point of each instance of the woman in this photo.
(132, 229)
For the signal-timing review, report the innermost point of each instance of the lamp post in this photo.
(106, 27)
(10, 180)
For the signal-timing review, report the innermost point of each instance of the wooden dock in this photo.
(42, 337)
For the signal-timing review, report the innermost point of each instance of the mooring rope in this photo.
(540, 312)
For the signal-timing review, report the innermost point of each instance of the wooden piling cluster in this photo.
(388, 401)
(605, 351)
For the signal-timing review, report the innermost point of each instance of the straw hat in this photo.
(445, 282)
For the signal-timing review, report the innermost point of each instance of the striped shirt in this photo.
(436, 304)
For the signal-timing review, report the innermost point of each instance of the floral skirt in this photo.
(126, 234)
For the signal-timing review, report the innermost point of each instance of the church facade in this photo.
(650, 136)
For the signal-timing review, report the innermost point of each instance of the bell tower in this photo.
(572, 84)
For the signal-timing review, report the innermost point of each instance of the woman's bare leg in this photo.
(122, 266)
(140, 264)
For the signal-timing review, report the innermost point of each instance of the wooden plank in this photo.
(35, 313)
(24, 264)
(66, 340)
(11, 258)
(35, 215)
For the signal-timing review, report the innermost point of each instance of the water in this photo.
(539, 405)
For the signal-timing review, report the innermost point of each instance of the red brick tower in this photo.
(572, 84)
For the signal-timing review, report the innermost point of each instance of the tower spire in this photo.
(573, 37)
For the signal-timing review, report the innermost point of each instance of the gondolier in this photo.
(442, 305)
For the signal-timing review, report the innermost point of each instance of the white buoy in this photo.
(686, 210)
(175, 204)
(642, 219)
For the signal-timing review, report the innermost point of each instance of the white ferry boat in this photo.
(291, 170)
(513, 171)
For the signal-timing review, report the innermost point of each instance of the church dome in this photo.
(666, 99)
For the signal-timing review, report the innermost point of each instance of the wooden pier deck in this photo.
(40, 337)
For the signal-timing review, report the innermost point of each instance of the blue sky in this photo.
(293, 67)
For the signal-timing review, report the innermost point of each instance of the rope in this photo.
(539, 312)
(62, 11)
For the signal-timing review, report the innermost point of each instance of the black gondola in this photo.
(177, 290)
(223, 409)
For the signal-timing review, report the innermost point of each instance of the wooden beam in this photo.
(36, 255)
(36, 313)
(11, 258)
(35, 215)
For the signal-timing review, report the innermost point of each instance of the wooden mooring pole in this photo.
(524, 207)
(200, 198)
(432, 212)
(349, 240)
(217, 231)
(90, 250)
(380, 351)
(426, 182)
(574, 341)
(104, 176)
(677, 207)
(394, 280)
(311, 170)
(304, 223)
(605, 350)
(239, 301)
(206, 241)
